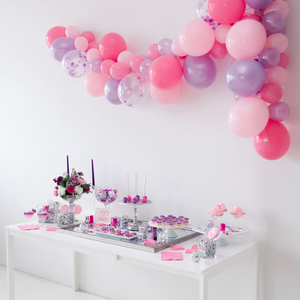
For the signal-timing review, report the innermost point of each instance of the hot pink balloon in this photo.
(125, 57)
(271, 92)
(280, 6)
(246, 39)
(81, 43)
(89, 36)
(196, 38)
(119, 70)
(248, 117)
(165, 97)
(277, 41)
(72, 32)
(111, 45)
(221, 33)
(55, 33)
(152, 52)
(284, 60)
(94, 83)
(92, 53)
(176, 48)
(218, 50)
(135, 63)
(93, 45)
(276, 75)
(106, 65)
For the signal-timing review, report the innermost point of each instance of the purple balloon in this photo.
(95, 65)
(258, 4)
(269, 58)
(279, 111)
(145, 67)
(245, 77)
(165, 47)
(111, 91)
(199, 71)
(273, 21)
(60, 47)
(283, 31)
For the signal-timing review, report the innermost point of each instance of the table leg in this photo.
(75, 256)
(203, 288)
(10, 265)
(256, 275)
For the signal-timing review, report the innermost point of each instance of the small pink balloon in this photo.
(221, 33)
(105, 66)
(64, 208)
(176, 48)
(89, 36)
(77, 209)
(135, 63)
(218, 50)
(271, 92)
(276, 75)
(94, 83)
(81, 43)
(92, 53)
(119, 70)
(152, 52)
(252, 17)
(277, 41)
(284, 60)
(165, 97)
(93, 45)
(125, 57)
(280, 6)
(72, 32)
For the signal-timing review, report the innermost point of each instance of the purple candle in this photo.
(68, 165)
(93, 175)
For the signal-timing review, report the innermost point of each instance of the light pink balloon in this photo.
(92, 53)
(125, 57)
(248, 117)
(105, 66)
(277, 75)
(119, 70)
(72, 32)
(280, 6)
(221, 33)
(196, 38)
(165, 97)
(277, 41)
(251, 16)
(93, 45)
(94, 83)
(89, 36)
(81, 43)
(176, 48)
(246, 39)
(135, 63)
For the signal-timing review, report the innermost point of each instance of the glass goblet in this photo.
(28, 215)
(216, 217)
(237, 217)
(42, 216)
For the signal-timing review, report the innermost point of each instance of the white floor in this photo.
(28, 287)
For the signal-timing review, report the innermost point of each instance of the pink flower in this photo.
(81, 181)
(70, 189)
(55, 192)
(88, 188)
(74, 179)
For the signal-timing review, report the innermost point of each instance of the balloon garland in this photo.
(251, 31)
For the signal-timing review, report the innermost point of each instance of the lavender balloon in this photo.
(164, 47)
(273, 21)
(283, 31)
(199, 71)
(75, 63)
(245, 77)
(258, 4)
(111, 91)
(60, 47)
(279, 111)
(133, 90)
(269, 58)
(145, 67)
(95, 65)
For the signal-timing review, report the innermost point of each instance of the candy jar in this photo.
(106, 195)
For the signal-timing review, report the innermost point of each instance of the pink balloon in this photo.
(218, 50)
(274, 142)
(125, 57)
(246, 39)
(280, 6)
(72, 32)
(89, 36)
(81, 43)
(93, 45)
(165, 72)
(176, 48)
(105, 66)
(135, 63)
(119, 70)
(221, 33)
(111, 45)
(271, 92)
(196, 38)
(252, 17)
(277, 41)
(94, 83)
(92, 53)
(276, 75)
(165, 97)
(284, 60)
(248, 117)
(152, 52)
(55, 33)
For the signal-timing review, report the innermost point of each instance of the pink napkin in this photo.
(195, 247)
(98, 225)
(190, 250)
(177, 247)
(171, 256)
(28, 227)
(150, 243)
(51, 229)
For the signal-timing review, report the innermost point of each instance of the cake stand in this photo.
(170, 230)
(134, 226)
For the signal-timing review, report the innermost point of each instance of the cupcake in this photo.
(171, 224)
(153, 221)
(178, 223)
(158, 222)
(111, 230)
(181, 217)
(118, 232)
(185, 221)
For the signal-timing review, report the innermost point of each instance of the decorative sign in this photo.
(103, 215)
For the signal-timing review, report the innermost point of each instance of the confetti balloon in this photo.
(133, 90)
(75, 63)
(203, 14)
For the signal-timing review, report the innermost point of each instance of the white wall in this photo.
(192, 159)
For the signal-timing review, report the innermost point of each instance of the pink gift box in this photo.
(177, 247)
(171, 256)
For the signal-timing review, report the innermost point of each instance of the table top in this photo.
(225, 254)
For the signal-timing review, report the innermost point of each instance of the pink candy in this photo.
(64, 208)
(213, 233)
(236, 210)
(77, 209)
(216, 211)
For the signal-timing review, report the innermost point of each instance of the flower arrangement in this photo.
(73, 185)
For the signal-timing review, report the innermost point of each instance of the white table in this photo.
(237, 251)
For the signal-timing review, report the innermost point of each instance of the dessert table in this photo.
(228, 256)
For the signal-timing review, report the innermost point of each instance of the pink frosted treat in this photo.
(223, 207)
(237, 212)
(144, 199)
(216, 211)
(64, 208)
(77, 209)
